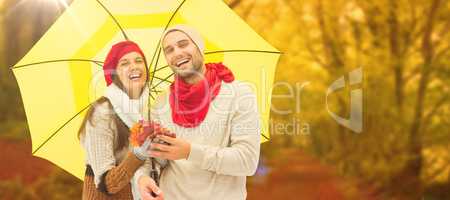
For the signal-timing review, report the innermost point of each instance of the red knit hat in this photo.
(117, 51)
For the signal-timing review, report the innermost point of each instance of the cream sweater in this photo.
(224, 148)
(99, 141)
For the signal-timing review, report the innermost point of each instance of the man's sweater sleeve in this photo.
(241, 157)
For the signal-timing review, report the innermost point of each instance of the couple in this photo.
(215, 120)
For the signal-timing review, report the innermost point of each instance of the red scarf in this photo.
(190, 102)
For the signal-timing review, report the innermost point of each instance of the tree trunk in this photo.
(413, 168)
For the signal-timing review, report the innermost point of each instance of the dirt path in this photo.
(304, 177)
(300, 177)
(17, 162)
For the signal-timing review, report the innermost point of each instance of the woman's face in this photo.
(132, 73)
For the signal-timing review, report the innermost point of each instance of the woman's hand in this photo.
(147, 186)
(141, 151)
(176, 148)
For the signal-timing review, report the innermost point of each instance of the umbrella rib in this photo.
(151, 82)
(157, 58)
(99, 63)
(114, 19)
(265, 136)
(243, 50)
(152, 96)
(161, 68)
(159, 47)
(57, 131)
(159, 42)
(154, 69)
(161, 79)
(211, 52)
(173, 15)
(165, 79)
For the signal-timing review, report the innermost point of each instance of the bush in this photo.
(59, 185)
(14, 189)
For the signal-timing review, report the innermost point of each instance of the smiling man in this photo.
(216, 122)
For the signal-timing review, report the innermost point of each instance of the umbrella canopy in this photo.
(61, 76)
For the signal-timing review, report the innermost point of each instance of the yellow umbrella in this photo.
(61, 75)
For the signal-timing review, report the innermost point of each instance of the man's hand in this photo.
(175, 150)
(146, 186)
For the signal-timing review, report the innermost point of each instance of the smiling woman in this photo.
(131, 70)
(110, 162)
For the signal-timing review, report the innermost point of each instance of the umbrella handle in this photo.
(154, 175)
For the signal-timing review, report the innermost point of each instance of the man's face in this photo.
(182, 55)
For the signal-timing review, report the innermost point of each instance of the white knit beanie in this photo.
(191, 33)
